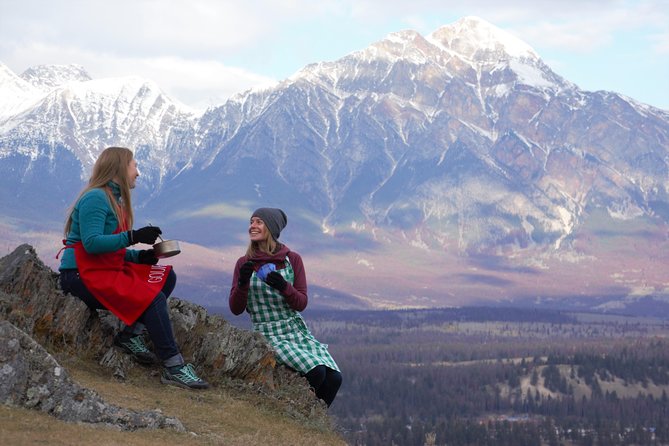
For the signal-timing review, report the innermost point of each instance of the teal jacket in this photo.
(93, 224)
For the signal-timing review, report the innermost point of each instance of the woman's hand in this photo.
(276, 280)
(147, 234)
(147, 256)
(245, 272)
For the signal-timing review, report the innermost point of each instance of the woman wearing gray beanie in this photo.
(269, 282)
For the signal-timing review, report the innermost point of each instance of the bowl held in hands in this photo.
(265, 270)
(167, 248)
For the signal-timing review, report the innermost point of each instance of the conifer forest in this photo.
(496, 376)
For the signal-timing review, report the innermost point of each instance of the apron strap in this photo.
(60, 251)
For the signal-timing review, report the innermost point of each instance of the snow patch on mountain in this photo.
(16, 94)
(407, 46)
(531, 75)
(48, 77)
(475, 38)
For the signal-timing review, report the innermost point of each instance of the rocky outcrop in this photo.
(39, 317)
(34, 303)
(30, 377)
(218, 348)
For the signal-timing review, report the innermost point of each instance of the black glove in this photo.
(147, 234)
(147, 256)
(245, 272)
(276, 280)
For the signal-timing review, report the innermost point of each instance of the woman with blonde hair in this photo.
(269, 282)
(97, 268)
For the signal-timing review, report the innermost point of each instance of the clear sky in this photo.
(203, 51)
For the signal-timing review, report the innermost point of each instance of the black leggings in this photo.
(325, 382)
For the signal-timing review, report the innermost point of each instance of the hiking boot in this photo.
(135, 346)
(183, 376)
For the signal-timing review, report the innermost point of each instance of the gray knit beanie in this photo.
(275, 220)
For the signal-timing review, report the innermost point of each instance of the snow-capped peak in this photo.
(15, 93)
(407, 44)
(8, 79)
(88, 115)
(470, 39)
(47, 77)
(472, 36)
(113, 87)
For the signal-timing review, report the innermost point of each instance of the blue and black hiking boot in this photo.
(183, 376)
(135, 346)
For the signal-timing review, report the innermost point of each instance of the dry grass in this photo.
(218, 416)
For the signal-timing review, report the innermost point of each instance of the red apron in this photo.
(124, 288)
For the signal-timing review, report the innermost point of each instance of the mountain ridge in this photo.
(459, 156)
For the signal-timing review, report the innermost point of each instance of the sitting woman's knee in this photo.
(334, 378)
(316, 376)
(170, 283)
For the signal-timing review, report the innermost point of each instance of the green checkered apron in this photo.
(284, 328)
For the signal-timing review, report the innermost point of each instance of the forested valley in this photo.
(498, 376)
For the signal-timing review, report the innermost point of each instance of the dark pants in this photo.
(156, 317)
(325, 382)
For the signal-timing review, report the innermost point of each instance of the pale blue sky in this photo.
(203, 51)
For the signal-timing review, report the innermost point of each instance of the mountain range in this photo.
(422, 171)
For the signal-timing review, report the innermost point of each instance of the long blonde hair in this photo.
(112, 164)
